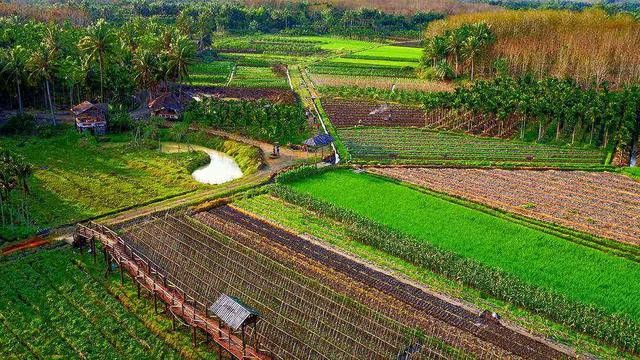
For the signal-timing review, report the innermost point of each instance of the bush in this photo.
(616, 329)
(21, 124)
(120, 122)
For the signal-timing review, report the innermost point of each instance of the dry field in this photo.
(383, 83)
(603, 204)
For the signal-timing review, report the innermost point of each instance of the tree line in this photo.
(559, 109)
(14, 175)
(49, 66)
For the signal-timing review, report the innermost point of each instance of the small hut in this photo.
(318, 142)
(236, 316)
(91, 117)
(167, 106)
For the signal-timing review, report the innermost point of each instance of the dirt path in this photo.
(23, 245)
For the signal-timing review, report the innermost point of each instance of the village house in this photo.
(91, 117)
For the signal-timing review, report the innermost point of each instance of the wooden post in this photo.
(173, 322)
(155, 301)
(194, 335)
(244, 346)
(93, 249)
(121, 274)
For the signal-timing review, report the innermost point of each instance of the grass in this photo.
(257, 77)
(56, 304)
(302, 221)
(213, 73)
(391, 52)
(580, 273)
(77, 177)
(421, 146)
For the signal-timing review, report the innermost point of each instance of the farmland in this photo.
(537, 258)
(572, 199)
(421, 146)
(210, 73)
(56, 304)
(258, 77)
(325, 81)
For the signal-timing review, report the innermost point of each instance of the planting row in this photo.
(277, 96)
(52, 306)
(460, 325)
(300, 318)
(603, 204)
(413, 145)
(526, 267)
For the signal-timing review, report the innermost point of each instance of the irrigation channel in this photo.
(221, 169)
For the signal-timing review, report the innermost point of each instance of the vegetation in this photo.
(421, 146)
(589, 46)
(258, 77)
(528, 268)
(56, 303)
(303, 220)
(76, 177)
(64, 65)
(262, 120)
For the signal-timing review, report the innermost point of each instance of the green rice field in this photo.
(257, 77)
(213, 73)
(580, 273)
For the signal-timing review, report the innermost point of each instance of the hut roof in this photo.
(233, 312)
(319, 140)
(166, 101)
(86, 106)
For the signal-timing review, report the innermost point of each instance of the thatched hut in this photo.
(91, 117)
(166, 106)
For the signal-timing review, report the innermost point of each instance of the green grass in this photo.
(257, 77)
(77, 177)
(391, 52)
(375, 62)
(213, 73)
(303, 221)
(421, 146)
(56, 304)
(580, 273)
(633, 172)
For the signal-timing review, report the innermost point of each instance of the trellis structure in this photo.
(182, 307)
(300, 318)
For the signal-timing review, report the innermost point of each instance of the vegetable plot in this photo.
(420, 146)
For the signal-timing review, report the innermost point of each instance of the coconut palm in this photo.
(100, 45)
(181, 55)
(42, 64)
(15, 68)
(145, 63)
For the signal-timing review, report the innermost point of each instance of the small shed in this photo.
(233, 312)
(166, 106)
(91, 117)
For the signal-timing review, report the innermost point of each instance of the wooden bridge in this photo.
(182, 307)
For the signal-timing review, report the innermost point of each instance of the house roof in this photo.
(232, 312)
(86, 106)
(166, 101)
(319, 140)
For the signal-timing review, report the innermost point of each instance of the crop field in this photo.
(345, 61)
(348, 113)
(572, 199)
(390, 52)
(55, 304)
(420, 146)
(215, 73)
(277, 96)
(77, 177)
(257, 77)
(383, 83)
(411, 305)
(359, 69)
(596, 278)
(300, 318)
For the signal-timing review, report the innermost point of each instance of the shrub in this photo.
(21, 124)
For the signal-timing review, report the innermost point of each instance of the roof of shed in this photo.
(232, 312)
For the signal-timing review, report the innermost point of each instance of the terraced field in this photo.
(213, 73)
(420, 146)
(55, 304)
(257, 77)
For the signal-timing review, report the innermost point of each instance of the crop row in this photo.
(48, 291)
(272, 46)
(421, 301)
(573, 199)
(299, 317)
(361, 70)
(419, 144)
(617, 329)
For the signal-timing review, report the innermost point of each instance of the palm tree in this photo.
(455, 38)
(99, 44)
(181, 55)
(15, 67)
(43, 66)
(145, 63)
(436, 49)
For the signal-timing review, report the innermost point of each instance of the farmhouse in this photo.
(91, 117)
(167, 106)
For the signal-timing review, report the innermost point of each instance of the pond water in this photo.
(221, 169)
